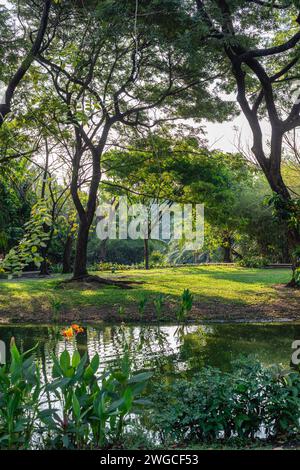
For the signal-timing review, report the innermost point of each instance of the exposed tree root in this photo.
(293, 284)
(103, 281)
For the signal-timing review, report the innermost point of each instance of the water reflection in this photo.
(164, 349)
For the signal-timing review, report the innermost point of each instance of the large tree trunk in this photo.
(80, 265)
(86, 214)
(227, 249)
(67, 268)
(103, 250)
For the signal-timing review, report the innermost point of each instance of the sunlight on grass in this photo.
(207, 283)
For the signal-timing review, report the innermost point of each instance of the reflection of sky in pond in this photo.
(165, 349)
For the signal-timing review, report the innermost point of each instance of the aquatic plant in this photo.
(84, 407)
(158, 305)
(142, 305)
(20, 393)
(185, 306)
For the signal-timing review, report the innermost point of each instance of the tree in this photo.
(29, 52)
(166, 168)
(102, 68)
(264, 64)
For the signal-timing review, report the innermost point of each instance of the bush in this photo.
(157, 258)
(214, 405)
(57, 268)
(254, 262)
(114, 267)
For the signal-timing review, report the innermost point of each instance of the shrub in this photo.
(114, 267)
(57, 268)
(254, 262)
(214, 405)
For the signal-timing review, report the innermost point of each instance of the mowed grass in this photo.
(207, 283)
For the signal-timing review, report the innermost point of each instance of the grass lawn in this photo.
(218, 292)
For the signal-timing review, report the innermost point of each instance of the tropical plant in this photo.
(20, 393)
(217, 405)
(94, 407)
(185, 305)
(158, 305)
(80, 407)
(34, 239)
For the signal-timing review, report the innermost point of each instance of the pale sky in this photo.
(229, 136)
(225, 135)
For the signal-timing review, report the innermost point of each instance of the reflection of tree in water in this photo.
(164, 349)
(148, 346)
(219, 344)
(26, 338)
(156, 349)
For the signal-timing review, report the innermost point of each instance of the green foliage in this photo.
(215, 405)
(94, 407)
(158, 305)
(56, 268)
(121, 311)
(297, 277)
(254, 262)
(186, 304)
(16, 197)
(287, 210)
(142, 305)
(296, 256)
(80, 407)
(35, 237)
(117, 267)
(157, 258)
(20, 390)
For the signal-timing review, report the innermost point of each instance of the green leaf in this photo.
(142, 377)
(95, 363)
(65, 360)
(76, 406)
(76, 359)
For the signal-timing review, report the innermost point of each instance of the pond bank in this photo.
(219, 294)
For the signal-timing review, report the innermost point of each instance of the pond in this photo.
(165, 349)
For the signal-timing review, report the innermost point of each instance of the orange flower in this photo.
(68, 333)
(72, 330)
(77, 329)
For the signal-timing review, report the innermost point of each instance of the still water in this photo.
(164, 349)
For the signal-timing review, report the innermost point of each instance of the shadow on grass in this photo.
(211, 286)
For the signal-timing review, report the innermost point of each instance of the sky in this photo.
(227, 135)
(234, 135)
